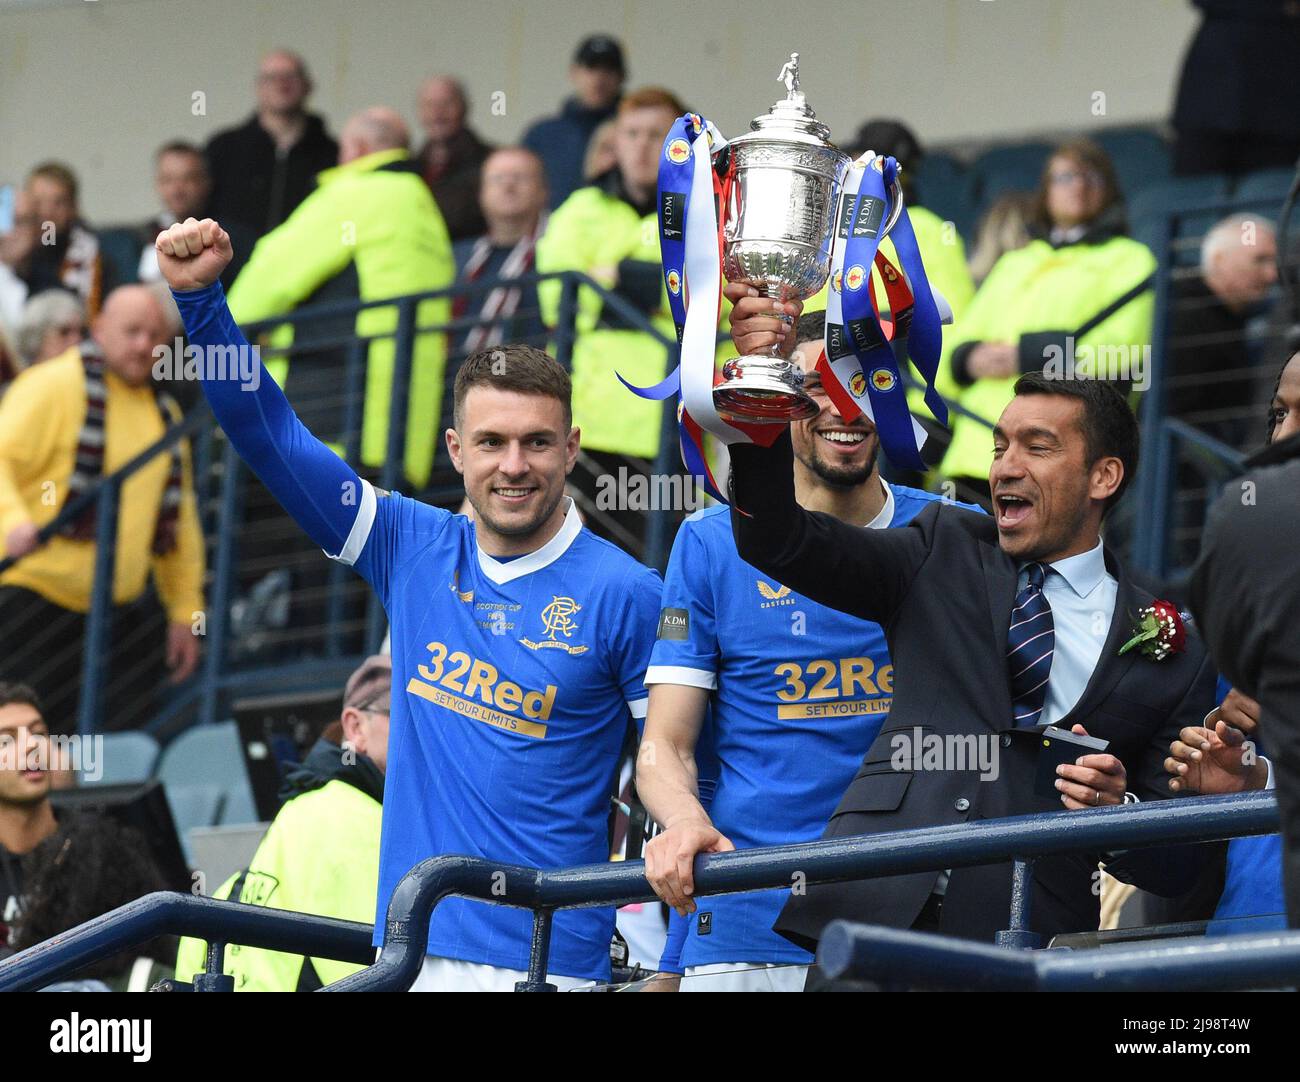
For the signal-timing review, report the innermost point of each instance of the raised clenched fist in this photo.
(192, 254)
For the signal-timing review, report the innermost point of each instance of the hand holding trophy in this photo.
(775, 213)
(782, 182)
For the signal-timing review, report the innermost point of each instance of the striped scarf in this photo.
(88, 466)
(501, 303)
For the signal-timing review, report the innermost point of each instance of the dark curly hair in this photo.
(90, 866)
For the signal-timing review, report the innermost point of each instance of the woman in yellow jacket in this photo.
(1026, 314)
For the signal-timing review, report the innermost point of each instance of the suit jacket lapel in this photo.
(1000, 582)
(1110, 666)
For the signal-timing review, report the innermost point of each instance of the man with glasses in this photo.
(321, 854)
(265, 167)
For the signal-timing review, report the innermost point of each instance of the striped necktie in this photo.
(1031, 641)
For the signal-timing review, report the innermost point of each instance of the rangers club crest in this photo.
(558, 620)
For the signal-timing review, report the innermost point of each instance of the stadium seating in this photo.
(126, 758)
(1267, 184)
(1140, 155)
(211, 756)
(193, 806)
(1013, 168)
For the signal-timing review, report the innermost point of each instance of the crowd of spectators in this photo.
(1052, 276)
(313, 219)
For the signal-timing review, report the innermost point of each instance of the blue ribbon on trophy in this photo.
(866, 363)
(776, 187)
(689, 245)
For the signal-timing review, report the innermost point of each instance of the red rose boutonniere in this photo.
(1158, 632)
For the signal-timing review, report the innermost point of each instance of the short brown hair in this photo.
(651, 97)
(59, 173)
(524, 369)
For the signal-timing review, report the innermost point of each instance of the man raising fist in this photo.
(505, 733)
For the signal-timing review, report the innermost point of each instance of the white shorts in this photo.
(744, 977)
(453, 975)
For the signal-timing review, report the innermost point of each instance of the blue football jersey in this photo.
(513, 682)
(799, 693)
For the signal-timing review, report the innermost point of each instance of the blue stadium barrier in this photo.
(406, 923)
(897, 959)
(168, 913)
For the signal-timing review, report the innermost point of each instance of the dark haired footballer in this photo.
(519, 639)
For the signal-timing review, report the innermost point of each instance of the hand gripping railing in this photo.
(1019, 838)
(406, 927)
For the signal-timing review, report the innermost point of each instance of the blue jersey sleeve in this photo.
(633, 638)
(678, 928)
(686, 649)
(318, 489)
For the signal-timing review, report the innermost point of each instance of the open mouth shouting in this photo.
(1012, 509)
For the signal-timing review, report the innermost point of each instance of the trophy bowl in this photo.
(783, 180)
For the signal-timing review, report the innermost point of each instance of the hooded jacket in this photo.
(320, 855)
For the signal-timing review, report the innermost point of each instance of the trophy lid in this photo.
(792, 117)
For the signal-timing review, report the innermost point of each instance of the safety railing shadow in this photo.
(1021, 839)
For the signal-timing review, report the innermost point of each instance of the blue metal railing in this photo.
(406, 923)
(166, 913)
(894, 958)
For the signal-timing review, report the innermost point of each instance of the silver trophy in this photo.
(785, 179)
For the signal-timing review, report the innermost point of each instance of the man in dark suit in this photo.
(997, 626)
(1244, 593)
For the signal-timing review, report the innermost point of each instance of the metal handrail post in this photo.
(657, 542)
(1017, 933)
(338, 574)
(99, 622)
(1153, 499)
(223, 584)
(538, 954)
(566, 331)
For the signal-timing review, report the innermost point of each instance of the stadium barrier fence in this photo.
(1021, 839)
